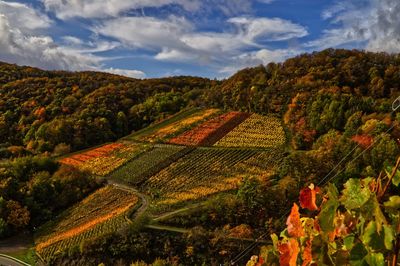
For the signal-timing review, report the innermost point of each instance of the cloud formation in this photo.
(22, 42)
(105, 8)
(172, 32)
(373, 24)
(125, 72)
(176, 39)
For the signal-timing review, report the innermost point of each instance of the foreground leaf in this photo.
(354, 194)
(393, 202)
(307, 253)
(327, 214)
(376, 240)
(396, 177)
(308, 198)
(293, 223)
(357, 255)
(375, 259)
(288, 252)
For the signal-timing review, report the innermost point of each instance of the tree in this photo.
(18, 216)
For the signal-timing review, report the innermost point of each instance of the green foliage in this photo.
(35, 189)
(355, 194)
(355, 228)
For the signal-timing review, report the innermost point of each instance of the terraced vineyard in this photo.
(149, 163)
(105, 159)
(100, 213)
(202, 172)
(211, 131)
(172, 174)
(168, 128)
(262, 164)
(255, 132)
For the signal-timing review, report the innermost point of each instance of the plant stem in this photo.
(394, 170)
(396, 250)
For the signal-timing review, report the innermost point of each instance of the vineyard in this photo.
(209, 132)
(105, 159)
(256, 131)
(174, 125)
(100, 213)
(149, 163)
(203, 172)
(262, 164)
(171, 174)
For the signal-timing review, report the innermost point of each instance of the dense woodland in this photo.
(331, 102)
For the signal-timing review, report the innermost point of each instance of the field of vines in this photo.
(105, 159)
(149, 163)
(257, 132)
(170, 127)
(263, 164)
(209, 132)
(202, 172)
(100, 213)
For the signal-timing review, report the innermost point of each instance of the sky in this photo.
(208, 38)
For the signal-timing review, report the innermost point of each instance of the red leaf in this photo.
(308, 197)
(363, 140)
(288, 253)
(260, 262)
(293, 222)
(307, 253)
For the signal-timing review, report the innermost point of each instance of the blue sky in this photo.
(210, 38)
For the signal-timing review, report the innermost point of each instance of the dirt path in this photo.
(16, 243)
(144, 199)
(172, 213)
(9, 261)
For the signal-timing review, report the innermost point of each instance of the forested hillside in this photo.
(40, 110)
(44, 110)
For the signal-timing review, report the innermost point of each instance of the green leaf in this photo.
(393, 202)
(328, 210)
(275, 240)
(348, 242)
(372, 209)
(389, 237)
(396, 177)
(354, 194)
(375, 259)
(357, 254)
(372, 238)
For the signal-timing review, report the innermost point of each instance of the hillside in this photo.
(197, 169)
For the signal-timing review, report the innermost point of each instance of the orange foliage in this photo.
(210, 131)
(308, 197)
(288, 252)
(307, 253)
(363, 140)
(78, 230)
(293, 222)
(241, 231)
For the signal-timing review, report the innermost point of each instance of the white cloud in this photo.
(146, 32)
(106, 8)
(23, 16)
(265, 1)
(176, 39)
(22, 43)
(262, 56)
(41, 51)
(373, 23)
(125, 72)
(66, 9)
(268, 29)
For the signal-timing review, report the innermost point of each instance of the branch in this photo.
(390, 178)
